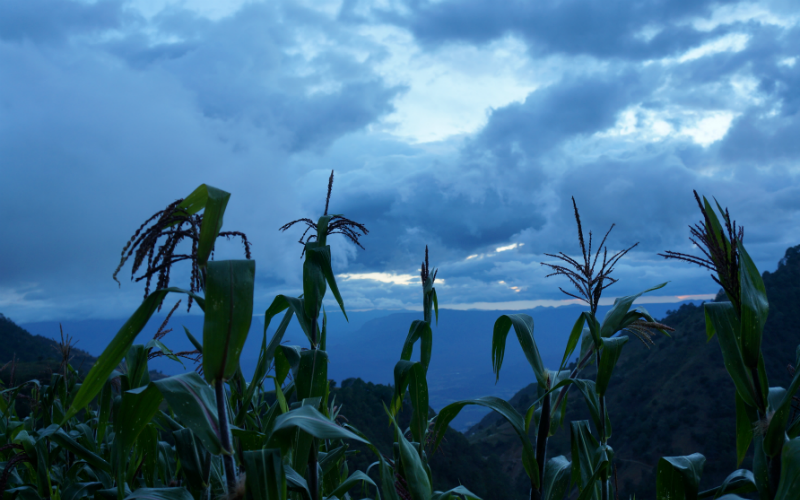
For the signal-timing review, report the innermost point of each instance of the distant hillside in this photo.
(36, 356)
(369, 345)
(672, 399)
(455, 462)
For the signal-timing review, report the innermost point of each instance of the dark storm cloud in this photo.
(239, 69)
(576, 106)
(768, 130)
(602, 29)
(429, 208)
(53, 21)
(106, 116)
(98, 132)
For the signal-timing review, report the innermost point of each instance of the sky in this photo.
(466, 126)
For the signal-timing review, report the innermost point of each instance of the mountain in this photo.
(33, 356)
(456, 462)
(369, 345)
(672, 399)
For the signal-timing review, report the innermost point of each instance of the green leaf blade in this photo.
(229, 312)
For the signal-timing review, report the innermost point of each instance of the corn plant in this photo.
(591, 458)
(412, 375)
(762, 412)
(118, 434)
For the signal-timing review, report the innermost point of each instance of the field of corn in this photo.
(211, 434)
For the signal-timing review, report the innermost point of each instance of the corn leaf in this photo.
(721, 320)
(214, 201)
(556, 478)
(411, 375)
(740, 481)
(755, 308)
(678, 477)
(160, 494)
(613, 322)
(523, 327)
(265, 478)
(194, 403)
(115, 351)
(419, 330)
(609, 354)
(312, 374)
(508, 412)
(229, 312)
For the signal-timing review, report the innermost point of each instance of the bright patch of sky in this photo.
(734, 42)
(394, 279)
(211, 9)
(512, 305)
(701, 127)
(450, 92)
(741, 13)
(497, 250)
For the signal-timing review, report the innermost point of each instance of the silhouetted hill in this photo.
(672, 399)
(32, 356)
(455, 462)
(369, 345)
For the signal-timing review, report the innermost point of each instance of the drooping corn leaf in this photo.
(609, 354)
(355, 479)
(677, 478)
(214, 201)
(740, 481)
(512, 416)
(457, 492)
(613, 321)
(309, 420)
(194, 403)
(321, 256)
(419, 330)
(523, 327)
(296, 305)
(556, 478)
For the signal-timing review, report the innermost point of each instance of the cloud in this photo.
(53, 21)
(610, 29)
(464, 126)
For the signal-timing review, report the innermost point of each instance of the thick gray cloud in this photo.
(107, 114)
(54, 21)
(601, 29)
